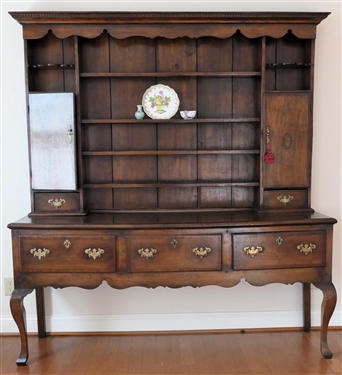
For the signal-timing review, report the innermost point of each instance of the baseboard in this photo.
(170, 322)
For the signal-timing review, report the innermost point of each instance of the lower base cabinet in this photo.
(85, 251)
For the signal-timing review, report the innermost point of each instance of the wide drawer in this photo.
(167, 253)
(253, 251)
(88, 253)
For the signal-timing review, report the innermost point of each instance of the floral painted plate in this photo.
(160, 102)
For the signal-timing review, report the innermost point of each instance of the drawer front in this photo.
(42, 253)
(285, 199)
(56, 202)
(278, 250)
(174, 253)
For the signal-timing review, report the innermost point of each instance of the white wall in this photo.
(187, 308)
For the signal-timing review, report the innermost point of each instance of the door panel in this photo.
(288, 120)
(52, 132)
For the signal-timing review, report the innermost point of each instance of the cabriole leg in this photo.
(19, 316)
(328, 306)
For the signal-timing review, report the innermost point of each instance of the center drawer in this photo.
(253, 251)
(172, 253)
(70, 253)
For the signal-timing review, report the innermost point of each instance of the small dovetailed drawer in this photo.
(278, 250)
(69, 253)
(285, 199)
(174, 253)
(56, 202)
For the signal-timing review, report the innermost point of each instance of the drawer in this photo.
(42, 253)
(278, 250)
(285, 199)
(56, 202)
(167, 253)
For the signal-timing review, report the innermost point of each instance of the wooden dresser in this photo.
(164, 201)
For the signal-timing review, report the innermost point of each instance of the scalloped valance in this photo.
(168, 24)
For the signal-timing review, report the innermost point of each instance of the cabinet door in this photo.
(52, 129)
(288, 120)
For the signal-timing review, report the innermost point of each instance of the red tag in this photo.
(269, 157)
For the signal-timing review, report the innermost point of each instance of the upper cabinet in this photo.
(248, 76)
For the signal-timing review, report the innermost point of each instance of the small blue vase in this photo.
(139, 114)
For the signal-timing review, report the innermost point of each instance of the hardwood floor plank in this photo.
(262, 353)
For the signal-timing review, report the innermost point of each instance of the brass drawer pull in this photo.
(57, 203)
(40, 253)
(201, 252)
(146, 252)
(285, 199)
(94, 253)
(307, 248)
(252, 251)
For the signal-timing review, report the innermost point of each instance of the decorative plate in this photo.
(160, 102)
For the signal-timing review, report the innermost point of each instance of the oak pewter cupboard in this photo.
(170, 202)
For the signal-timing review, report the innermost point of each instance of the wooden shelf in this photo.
(172, 120)
(170, 74)
(169, 185)
(170, 152)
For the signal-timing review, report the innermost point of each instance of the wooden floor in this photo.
(259, 353)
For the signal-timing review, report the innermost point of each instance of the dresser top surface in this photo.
(181, 220)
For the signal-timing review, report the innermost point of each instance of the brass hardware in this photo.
(40, 253)
(57, 203)
(279, 240)
(252, 251)
(268, 157)
(67, 243)
(201, 251)
(147, 253)
(70, 134)
(306, 249)
(174, 243)
(268, 133)
(285, 199)
(93, 253)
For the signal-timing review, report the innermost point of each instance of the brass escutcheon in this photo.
(94, 253)
(146, 252)
(285, 199)
(279, 240)
(252, 251)
(307, 248)
(57, 203)
(201, 252)
(39, 253)
(67, 243)
(174, 243)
